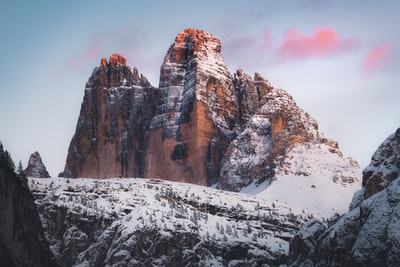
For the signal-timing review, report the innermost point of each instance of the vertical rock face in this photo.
(111, 134)
(36, 167)
(368, 235)
(196, 113)
(22, 241)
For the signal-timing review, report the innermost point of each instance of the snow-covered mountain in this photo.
(142, 222)
(369, 234)
(201, 130)
(202, 125)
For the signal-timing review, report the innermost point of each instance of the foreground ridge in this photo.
(141, 222)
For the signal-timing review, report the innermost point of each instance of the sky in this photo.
(340, 60)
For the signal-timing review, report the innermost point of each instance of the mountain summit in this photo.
(202, 124)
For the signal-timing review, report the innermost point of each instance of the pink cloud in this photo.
(322, 42)
(267, 38)
(377, 58)
(92, 52)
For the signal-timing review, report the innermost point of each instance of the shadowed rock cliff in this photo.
(22, 242)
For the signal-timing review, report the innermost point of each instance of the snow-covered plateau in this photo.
(153, 222)
(142, 222)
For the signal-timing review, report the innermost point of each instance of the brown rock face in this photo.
(110, 137)
(196, 113)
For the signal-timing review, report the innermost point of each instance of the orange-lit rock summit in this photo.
(202, 124)
(110, 135)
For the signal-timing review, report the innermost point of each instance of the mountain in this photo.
(36, 167)
(202, 125)
(150, 222)
(22, 242)
(111, 133)
(369, 234)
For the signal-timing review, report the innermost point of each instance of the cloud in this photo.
(377, 58)
(322, 42)
(267, 38)
(126, 40)
(91, 52)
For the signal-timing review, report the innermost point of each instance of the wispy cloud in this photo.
(267, 38)
(125, 40)
(91, 52)
(321, 42)
(377, 58)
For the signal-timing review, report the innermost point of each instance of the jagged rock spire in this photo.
(35, 167)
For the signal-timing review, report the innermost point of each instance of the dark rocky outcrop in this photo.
(35, 167)
(369, 234)
(22, 241)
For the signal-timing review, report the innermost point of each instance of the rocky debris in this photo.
(194, 127)
(111, 133)
(22, 242)
(368, 234)
(35, 167)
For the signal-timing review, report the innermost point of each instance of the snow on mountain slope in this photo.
(368, 235)
(312, 176)
(90, 222)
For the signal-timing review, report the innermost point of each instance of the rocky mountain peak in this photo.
(116, 111)
(115, 73)
(35, 167)
(194, 126)
(193, 43)
(115, 59)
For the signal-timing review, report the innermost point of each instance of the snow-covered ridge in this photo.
(139, 205)
(314, 177)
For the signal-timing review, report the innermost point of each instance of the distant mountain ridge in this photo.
(202, 125)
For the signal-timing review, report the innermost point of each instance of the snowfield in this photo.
(130, 206)
(314, 178)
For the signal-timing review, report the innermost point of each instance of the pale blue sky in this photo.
(339, 59)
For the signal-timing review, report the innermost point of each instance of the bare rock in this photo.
(111, 133)
(35, 167)
(196, 113)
